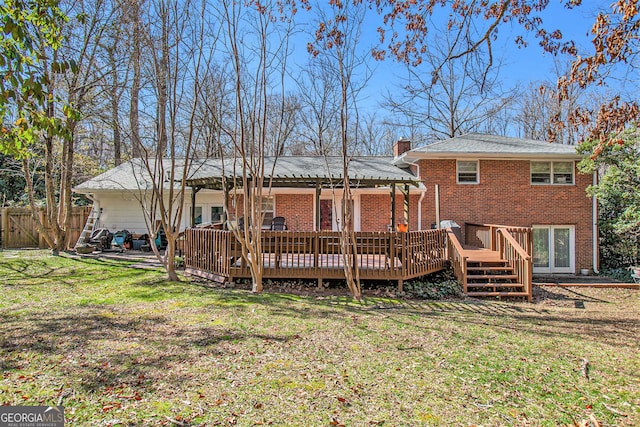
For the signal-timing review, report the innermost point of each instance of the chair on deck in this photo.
(278, 223)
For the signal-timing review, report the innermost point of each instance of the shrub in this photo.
(621, 274)
(439, 285)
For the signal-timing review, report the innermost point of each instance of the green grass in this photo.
(121, 346)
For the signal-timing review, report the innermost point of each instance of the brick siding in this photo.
(297, 210)
(375, 211)
(503, 196)
(506, 196)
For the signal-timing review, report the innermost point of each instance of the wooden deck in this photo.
(504, 269)
(318, 255)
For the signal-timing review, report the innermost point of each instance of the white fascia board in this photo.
(491, 156)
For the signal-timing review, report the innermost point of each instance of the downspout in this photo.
(420, 210)
(594, 232)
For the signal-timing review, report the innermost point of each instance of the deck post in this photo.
(317, 207)
(225, 203)
(194, 191)
(405, 192)
(400, 285)
(393, 206)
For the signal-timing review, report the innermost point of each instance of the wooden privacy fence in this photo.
(18, 229)
(318, 254)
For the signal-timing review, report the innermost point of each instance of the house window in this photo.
(559, 173)
(216, 214)
(467, 172)
(198, 217)
(268, 210)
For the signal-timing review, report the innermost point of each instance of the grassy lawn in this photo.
(119, 346)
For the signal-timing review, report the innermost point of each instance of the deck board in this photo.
(480, 255)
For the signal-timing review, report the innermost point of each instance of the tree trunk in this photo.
(115, 108)
(170, 256)
(66, 180)
(134, 117)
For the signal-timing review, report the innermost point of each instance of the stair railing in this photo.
(457, 259)
(518, 258)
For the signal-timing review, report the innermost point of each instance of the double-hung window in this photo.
(555, 173)
(467, 172)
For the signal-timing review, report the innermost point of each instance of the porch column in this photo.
(225, 203)
(317, 212)
(405, 192)
(194, 190)
(393, 206)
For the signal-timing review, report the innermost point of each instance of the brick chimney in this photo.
(401, 146)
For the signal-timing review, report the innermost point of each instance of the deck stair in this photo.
(492, 278)
(90, 225)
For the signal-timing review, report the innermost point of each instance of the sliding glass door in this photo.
(554, 249)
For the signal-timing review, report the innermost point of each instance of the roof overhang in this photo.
(304, 172)
(412, 158)
(219, 183)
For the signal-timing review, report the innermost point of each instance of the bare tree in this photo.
(344, 60)
(116, 60)
(376, 136)
(212, 113)
(71, 79)
(174, 35)
(134, 13)
(543, 115)
(319, 116)
(613, 53)
(450, 97)
(256, 37)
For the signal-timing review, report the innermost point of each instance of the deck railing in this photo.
(486, 236)
(457, 258)
(511, 250)
(318, 255)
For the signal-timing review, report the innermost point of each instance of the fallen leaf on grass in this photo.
(110, 406)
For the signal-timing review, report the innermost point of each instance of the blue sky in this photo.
(521, 65)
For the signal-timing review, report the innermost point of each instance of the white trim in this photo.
(572, 250)
(336, 201)
(411, 157)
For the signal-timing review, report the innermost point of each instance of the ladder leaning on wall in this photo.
(92, 220)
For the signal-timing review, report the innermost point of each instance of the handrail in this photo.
(487, 225)
(454, 240)
(457, 259)
(507, 235)
(518, 257)
(487, 234)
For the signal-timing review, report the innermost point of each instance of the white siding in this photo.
(122, 210)
(204, 198)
